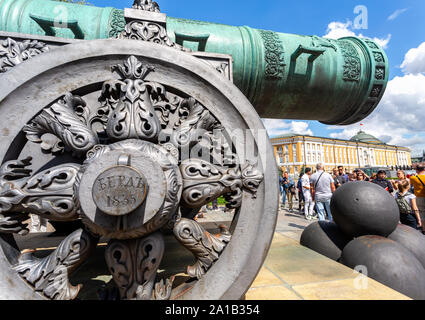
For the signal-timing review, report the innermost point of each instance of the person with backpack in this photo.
(418, 183)
(300, 194)
(406, 201)
(282, 191)
(289, 186)
(322, 188)
(401, 177)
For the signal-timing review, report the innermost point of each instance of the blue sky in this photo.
(400, 25)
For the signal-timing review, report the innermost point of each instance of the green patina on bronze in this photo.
(283, 75)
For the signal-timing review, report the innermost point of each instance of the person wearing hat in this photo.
(383, 182)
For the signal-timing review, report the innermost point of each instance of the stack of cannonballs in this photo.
(367, 235)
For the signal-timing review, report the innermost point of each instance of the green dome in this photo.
(365, 138)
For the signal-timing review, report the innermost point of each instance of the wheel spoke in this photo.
(50, 275)
(204, 182)
(61, 120)
(134, 264)
(49, 193)
(205, 247)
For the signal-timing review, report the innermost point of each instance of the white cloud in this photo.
(383, 42)
(414, 60)
(398, 118)
(279, 127)
(396, 14)
(338, 30)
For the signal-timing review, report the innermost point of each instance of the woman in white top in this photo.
(308, 199)
(406, 201)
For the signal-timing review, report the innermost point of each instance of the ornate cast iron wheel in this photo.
(124, 136)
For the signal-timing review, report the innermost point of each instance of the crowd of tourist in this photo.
(313, 191)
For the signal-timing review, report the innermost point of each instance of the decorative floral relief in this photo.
(133, 116)
(50, 275)
(204, 182)
(274, 55)
(48, 193)
(134, 264)
(147, 5)
(117, 23)
(205, 247)
(196, 120)
(150, 32)
(371, 44)
(13, 52)
(376, 91)
(378, 57)
(352, 63)
(380, 73)
(61, 121)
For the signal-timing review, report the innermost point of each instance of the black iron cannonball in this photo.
(364, 208)
(411, 239)
(325, 238)
(387, 262)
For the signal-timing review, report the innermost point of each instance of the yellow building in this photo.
(292, 152)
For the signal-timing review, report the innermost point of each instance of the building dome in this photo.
(362, 136)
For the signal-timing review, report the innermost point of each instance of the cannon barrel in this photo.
(283, 75)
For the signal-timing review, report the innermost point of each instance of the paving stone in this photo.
(266, 278)
(298, 265)
(280, 240)
(346, 290)
(271, 293)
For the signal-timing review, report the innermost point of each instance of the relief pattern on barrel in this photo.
(352, 63)
(116, 23)
(273, 51)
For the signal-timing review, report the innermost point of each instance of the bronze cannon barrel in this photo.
(285, 76)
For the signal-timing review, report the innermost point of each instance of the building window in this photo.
(280, 155)
(294, 152)
(302, 153)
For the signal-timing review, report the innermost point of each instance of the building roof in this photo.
(364, 137)
(361, 136)
(286, 135)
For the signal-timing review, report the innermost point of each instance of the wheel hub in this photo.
(129, 183)
(119, 190)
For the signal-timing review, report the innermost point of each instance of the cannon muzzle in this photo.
(285, 76)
